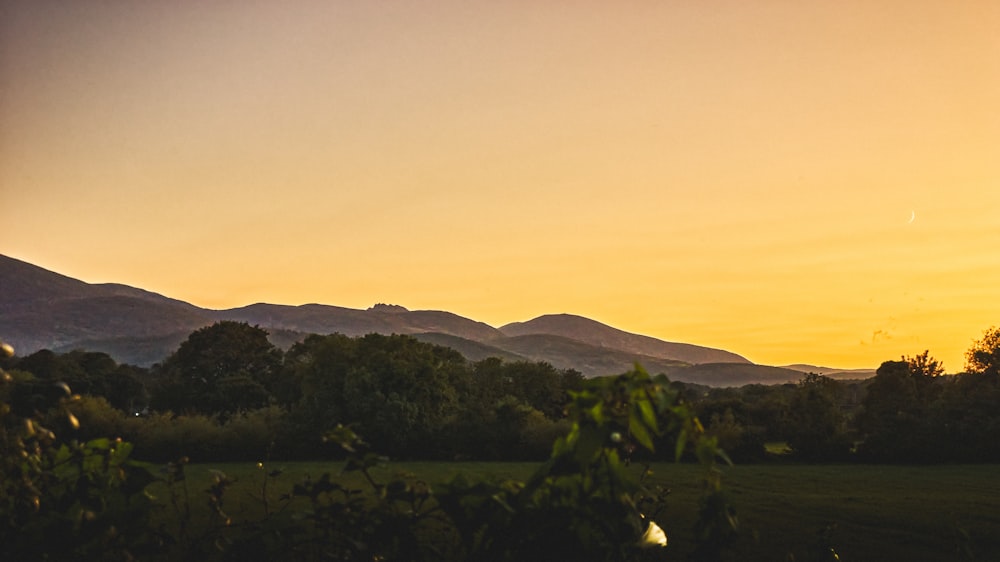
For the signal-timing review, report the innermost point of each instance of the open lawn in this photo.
(866, 513)
(787, 512)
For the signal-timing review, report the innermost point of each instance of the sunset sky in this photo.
(793, 181)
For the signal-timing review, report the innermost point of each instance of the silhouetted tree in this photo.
(222, 368)
(891, 412)
(89, 372)
(984, 355)
(818, 427)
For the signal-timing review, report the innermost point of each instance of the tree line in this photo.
(909, 412)
(227, 393)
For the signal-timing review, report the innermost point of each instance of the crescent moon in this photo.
(913, 217)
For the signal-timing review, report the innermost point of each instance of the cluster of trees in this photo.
(227, 393)
(910, 411)
(914, 414)
(64, 498)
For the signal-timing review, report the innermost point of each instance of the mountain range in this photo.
(41, 309)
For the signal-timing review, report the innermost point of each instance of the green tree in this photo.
(314, 370)
(402, 393)
(818, 426)
(537, 384)
(889, 412)
(966, 414)
(90, 372)
(50, 366)
(900, 418)
(222, 368)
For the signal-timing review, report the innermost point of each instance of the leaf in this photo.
(137, 478)
(639, 433)
(681, 444)
(597, 413)
(503, 502)
(590, 441)
(101, 443)
(722, 455)
(648, 415)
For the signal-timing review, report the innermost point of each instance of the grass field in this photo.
(787, 512)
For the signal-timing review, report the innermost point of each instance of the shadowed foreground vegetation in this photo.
(864, 512)
(69, 470)
(67, 499)
(228, 394)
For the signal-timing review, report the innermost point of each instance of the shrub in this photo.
(249, 435)
(66, 500)
(97, 418)
(165, 437)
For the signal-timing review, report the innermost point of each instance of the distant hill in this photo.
(734, 374)
(41, 309)
(135, 350)
(832, 372)
(384, 319)
(601, 335)
(591, 360)
(471, 350)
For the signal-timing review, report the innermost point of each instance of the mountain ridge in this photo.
(41, 309)
(595, 333)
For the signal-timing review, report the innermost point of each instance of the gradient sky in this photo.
(734, 174)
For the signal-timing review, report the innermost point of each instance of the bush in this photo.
(97, 418)
(249, 435)
(66, 500)
(164, 437)
(245, 436)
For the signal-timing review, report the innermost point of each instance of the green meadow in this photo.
(786, 511)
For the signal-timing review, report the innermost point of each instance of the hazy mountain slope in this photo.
(134, 350)
(423, 321)
(308, 318)
(734, 374)
(73, 323)
(24, 287)
(471, 350)
(591, 360)
(832, 372)
(42, 309)
(601, 335)
(383, 319)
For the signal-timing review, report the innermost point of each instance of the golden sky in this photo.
(792, 181)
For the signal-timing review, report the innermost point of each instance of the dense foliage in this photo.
(228, 394)
(220, 369)
(67, 473)
(909, 412)
(67, 499)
